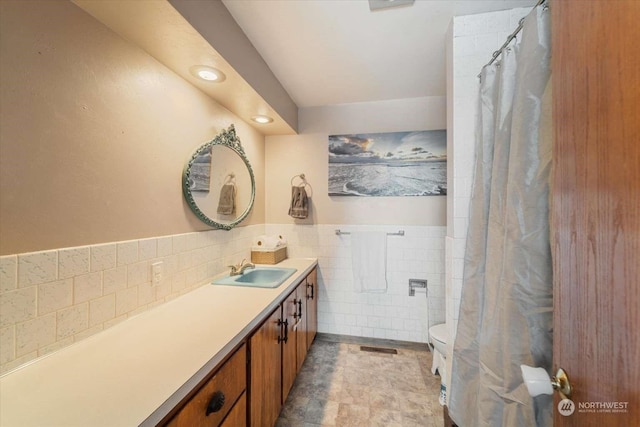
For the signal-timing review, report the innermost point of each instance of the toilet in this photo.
(438, 340)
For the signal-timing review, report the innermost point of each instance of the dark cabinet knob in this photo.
(216, 402)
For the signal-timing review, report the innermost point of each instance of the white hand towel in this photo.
(369, 261)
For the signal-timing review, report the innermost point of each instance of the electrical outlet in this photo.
(156, 273)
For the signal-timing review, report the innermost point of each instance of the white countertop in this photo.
(120, 376)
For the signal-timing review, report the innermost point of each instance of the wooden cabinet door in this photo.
(265, 382)
(301, 327)
(312, 306)
(289, 362)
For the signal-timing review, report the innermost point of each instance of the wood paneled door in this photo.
(289, 360)
(312, 306)
(265, 382)
(595, 208)
(301, 325)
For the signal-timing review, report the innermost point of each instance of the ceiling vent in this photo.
(385, 4)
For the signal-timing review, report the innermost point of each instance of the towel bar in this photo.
(340, 233)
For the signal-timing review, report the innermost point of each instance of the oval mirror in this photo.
(218, 181)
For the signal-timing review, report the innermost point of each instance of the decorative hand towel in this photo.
(299, 203)
(227, 202)
(369, 261)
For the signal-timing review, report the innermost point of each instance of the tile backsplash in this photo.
(51, 299)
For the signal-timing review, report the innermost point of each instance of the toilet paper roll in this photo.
(267, 242)
(259, 241)
(537, 380)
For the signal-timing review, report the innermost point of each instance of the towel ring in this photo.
(304, 183)
(302, 177)
(230, 177)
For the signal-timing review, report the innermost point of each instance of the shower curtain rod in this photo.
(509, 39)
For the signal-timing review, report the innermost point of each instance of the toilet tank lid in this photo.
(439, 332)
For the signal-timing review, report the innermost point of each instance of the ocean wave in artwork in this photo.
(379, 180)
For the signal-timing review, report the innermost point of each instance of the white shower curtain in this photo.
(505, 314)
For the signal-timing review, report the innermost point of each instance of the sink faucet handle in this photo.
(245, 266)
(234, 269)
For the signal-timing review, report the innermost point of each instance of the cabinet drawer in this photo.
(238, 415)
(230, 380)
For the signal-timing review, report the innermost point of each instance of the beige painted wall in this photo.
(307, 153)
(94, 134)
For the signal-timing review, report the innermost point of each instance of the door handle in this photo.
(300, 308)
(538, 381)
(310, 285)
(286, 330)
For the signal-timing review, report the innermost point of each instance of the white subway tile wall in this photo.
(419, 254)
(51, 299)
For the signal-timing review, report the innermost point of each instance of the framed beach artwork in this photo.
(388, 164)
(200, 177)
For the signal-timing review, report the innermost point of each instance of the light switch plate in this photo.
(156, 273)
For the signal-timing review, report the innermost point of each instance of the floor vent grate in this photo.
(379, 350)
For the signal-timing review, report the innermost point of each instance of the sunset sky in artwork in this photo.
(386, 147)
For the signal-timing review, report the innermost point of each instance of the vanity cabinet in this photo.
(312, 306)
(290, 309)
(268, 364)
(211, 342)
(273, 363)
(277, 351)
(265, 375)
(221, 401)
(301, 327)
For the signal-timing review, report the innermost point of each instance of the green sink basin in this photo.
(260, 277)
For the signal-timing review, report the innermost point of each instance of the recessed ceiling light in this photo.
(263, 120)
(206, 73)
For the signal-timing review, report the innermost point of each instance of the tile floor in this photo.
(340, 385)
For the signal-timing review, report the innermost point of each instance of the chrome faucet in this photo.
(240, 268)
